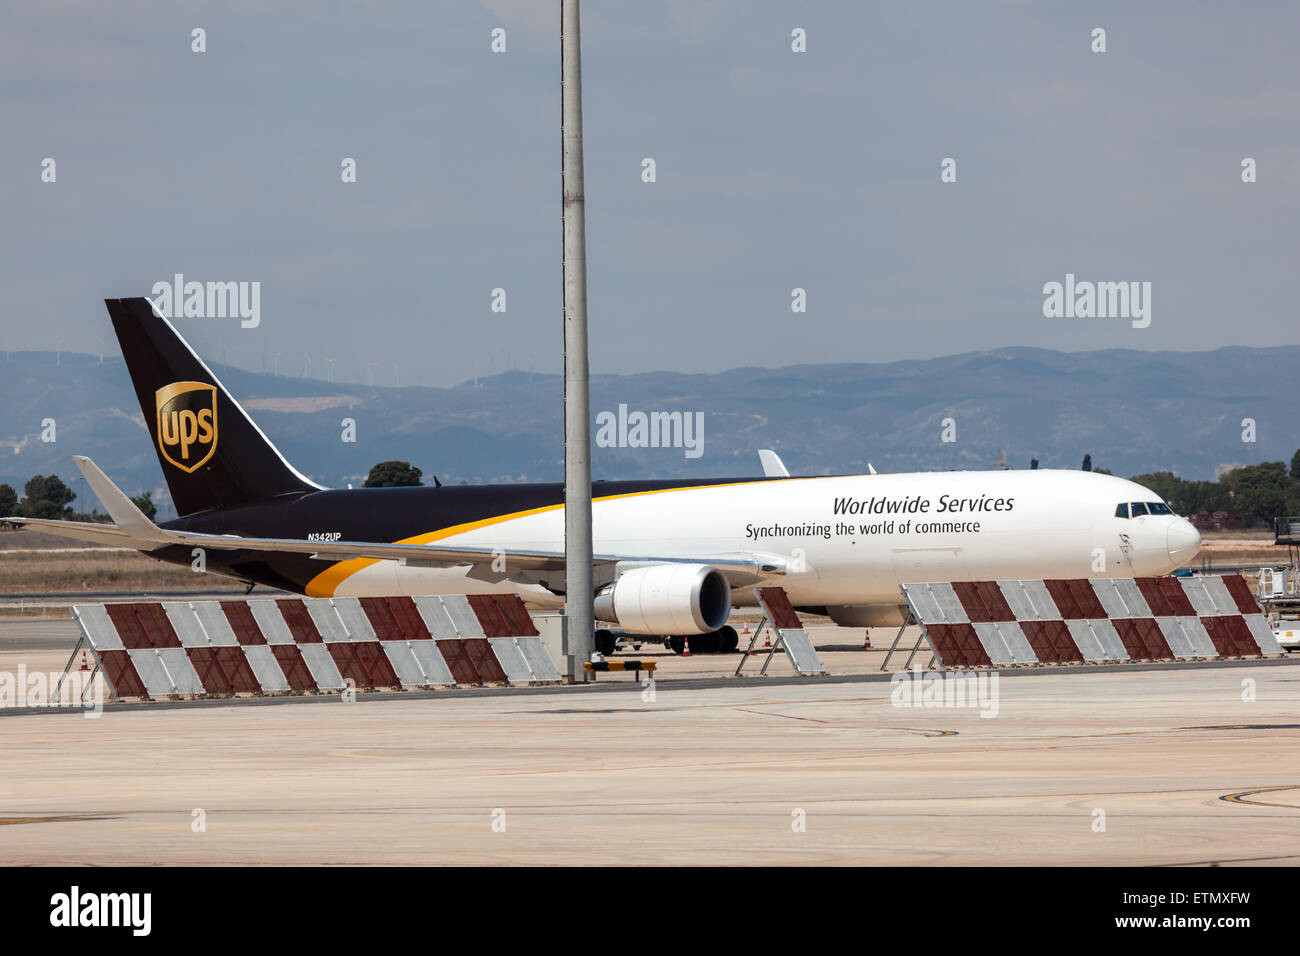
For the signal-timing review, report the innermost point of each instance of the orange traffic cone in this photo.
(767, 638)
(84, 665)
(746, 630)
(686, 650)
(866, 641)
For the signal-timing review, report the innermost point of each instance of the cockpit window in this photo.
(1137, 509)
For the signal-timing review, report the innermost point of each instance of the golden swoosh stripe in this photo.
(325, 583)
(328, 581)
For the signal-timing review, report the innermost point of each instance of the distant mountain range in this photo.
(1133, 411)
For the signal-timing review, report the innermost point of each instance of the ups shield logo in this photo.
(187, 423)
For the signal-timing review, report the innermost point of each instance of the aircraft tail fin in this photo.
(212, 454)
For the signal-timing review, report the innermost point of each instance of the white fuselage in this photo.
(848, 540)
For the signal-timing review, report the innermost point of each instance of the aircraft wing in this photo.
(743, 568)
(132, 529)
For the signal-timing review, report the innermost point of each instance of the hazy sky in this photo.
(775, 170)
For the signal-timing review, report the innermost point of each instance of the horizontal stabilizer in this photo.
(79, 531)
(120, 508)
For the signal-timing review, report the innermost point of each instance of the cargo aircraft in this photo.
(671, 558)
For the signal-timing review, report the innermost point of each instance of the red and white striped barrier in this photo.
(779, 615)
(286, 645)
(1100, 620)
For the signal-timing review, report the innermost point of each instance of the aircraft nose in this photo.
(1183, 540)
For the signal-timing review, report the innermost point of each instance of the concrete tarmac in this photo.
(1178, 766)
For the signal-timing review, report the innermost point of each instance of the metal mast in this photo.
(578, 597)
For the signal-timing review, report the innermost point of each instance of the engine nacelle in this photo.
(667, 599)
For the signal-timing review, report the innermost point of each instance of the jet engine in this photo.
(667, 599)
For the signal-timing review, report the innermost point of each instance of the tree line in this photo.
(46, 496)
(1258, 493)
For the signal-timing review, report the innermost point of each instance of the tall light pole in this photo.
(578, 596)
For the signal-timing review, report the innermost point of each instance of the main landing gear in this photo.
(606, 641)
(724, 640)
